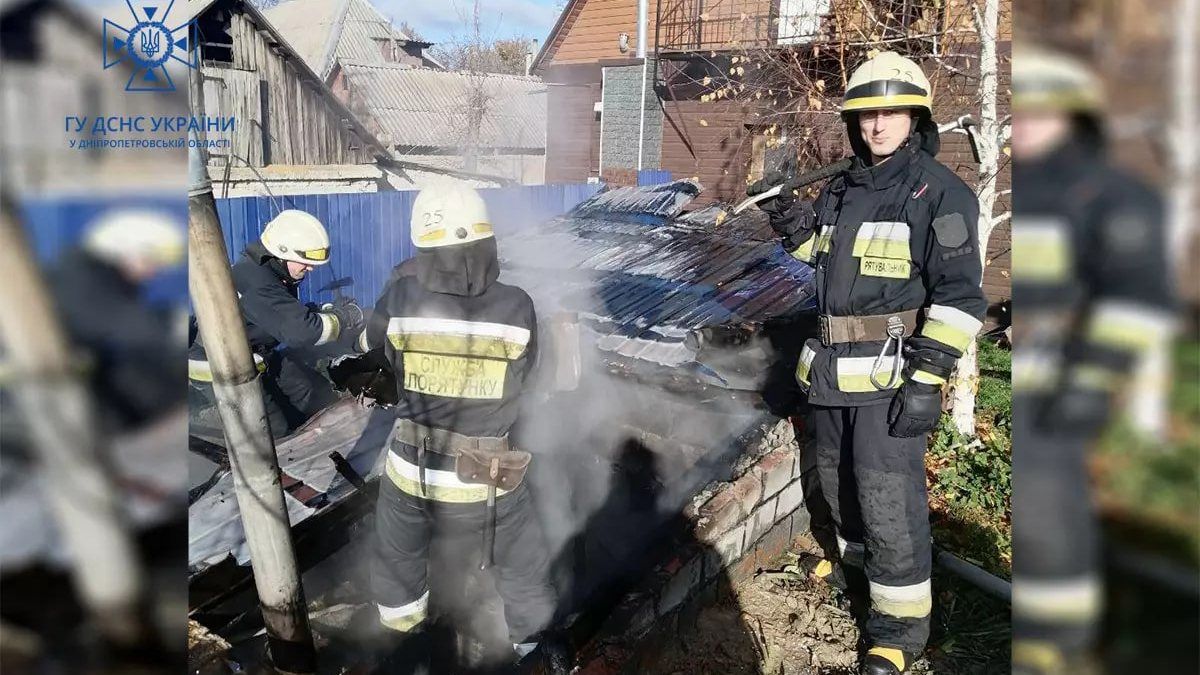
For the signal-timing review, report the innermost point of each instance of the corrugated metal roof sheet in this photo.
(643, 279)
(353, 26)
(421, 107)
(306, 25)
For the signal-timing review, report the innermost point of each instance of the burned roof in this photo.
(647, 280)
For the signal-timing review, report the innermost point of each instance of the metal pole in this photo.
(80, 490)
(641, 54)
(243, 415)
(642, 11)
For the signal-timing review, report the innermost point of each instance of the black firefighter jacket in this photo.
(461, 343)
(901, 235)
(273, 312)
(1091, 273)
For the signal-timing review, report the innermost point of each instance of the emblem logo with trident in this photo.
(148, 46)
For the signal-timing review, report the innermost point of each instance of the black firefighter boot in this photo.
(824, 570)
(886, 661)
(405, 653)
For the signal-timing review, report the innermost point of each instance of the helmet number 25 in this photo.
(433, 217)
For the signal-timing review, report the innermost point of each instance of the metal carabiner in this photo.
(895, 331)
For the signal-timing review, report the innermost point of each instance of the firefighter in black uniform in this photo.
(893, 241)
(136, 368)
(266, 277)
(462, 346)
(1091, 277)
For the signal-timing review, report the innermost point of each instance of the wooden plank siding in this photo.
(572, 129)
(716, 152)
(288, 119)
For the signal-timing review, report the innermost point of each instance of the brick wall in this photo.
(735, 528)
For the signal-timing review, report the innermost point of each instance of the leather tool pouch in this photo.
(502, 469)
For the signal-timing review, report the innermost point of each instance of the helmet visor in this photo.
(314, 254)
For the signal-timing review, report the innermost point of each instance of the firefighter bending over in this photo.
(266, 277)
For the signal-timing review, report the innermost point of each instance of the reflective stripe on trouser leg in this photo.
(890, 475)
(1057, 586)
(406, 617)
(400, 559)
(1069, 600)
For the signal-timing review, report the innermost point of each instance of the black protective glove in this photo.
(350, 315)
(1076, 411)
(915, 409)
(776, 207)
(368, 375)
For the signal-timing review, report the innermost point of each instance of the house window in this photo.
(800, 20)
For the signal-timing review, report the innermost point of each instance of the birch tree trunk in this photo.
(1147, 411)
(965, 383)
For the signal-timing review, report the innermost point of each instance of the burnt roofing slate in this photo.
(642, 277)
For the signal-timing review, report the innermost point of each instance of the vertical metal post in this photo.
(642, 9)
(239, 397)
(80, 491)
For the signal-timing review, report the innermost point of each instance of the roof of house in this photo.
(425, 108)
(324, 32)
(565, 20)
(305, 72)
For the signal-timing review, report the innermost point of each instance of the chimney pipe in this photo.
(529, 53)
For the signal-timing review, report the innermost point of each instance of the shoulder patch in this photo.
(951, 230)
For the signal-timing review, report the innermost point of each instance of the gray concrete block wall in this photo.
(622, 98)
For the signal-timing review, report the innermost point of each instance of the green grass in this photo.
(971, 477)
(995, 385)
(1150, 490)
(1185, 394)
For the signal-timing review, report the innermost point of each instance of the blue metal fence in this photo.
(653, 177)
(369, 232)
(55, 224)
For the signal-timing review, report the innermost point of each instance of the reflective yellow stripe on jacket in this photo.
(201, 371)
(454, 358)
(950, 326)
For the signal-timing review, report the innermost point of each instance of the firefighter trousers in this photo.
(1056, 544)
(874, 484)
(405, 526)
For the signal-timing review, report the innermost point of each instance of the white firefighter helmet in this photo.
(449, 213)
(145, 236)
(1052, 81)
(297, 236)
(888, 80)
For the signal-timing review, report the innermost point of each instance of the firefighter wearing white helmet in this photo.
(1092, 277)
(450, 215)
(141, 241)
(462, 346)
(895, 254)
(134, 366)
(266, 277)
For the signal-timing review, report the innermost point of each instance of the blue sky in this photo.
(442, 20)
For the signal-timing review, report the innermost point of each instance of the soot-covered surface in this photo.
(641, 277)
